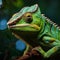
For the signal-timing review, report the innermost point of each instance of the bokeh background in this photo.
(10, 46)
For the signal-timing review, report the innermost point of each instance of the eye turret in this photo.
(28, 17)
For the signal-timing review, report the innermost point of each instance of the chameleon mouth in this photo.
(24, 25)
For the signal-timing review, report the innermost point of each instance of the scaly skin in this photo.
(36, 30)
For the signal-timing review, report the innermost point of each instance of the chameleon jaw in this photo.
(24, 25)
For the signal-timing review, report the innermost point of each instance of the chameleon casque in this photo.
(36, 30)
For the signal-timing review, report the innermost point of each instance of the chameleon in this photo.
(36, 30)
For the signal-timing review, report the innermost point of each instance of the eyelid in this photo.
(28, 14)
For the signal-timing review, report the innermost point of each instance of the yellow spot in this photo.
(35, 26)
(52, 40)
(55, 48)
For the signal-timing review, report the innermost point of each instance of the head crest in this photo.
(23, 11)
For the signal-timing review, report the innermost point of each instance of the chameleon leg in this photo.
(48, 39)
(51, 41)
(51, 51)
(48, 53)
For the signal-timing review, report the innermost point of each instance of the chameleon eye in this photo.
(28, 17)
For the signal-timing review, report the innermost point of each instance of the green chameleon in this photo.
(36, 30)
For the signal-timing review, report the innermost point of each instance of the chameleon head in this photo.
(27, 19)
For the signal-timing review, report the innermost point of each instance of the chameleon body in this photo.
(36, 30)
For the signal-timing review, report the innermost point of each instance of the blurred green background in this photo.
(10, 46)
